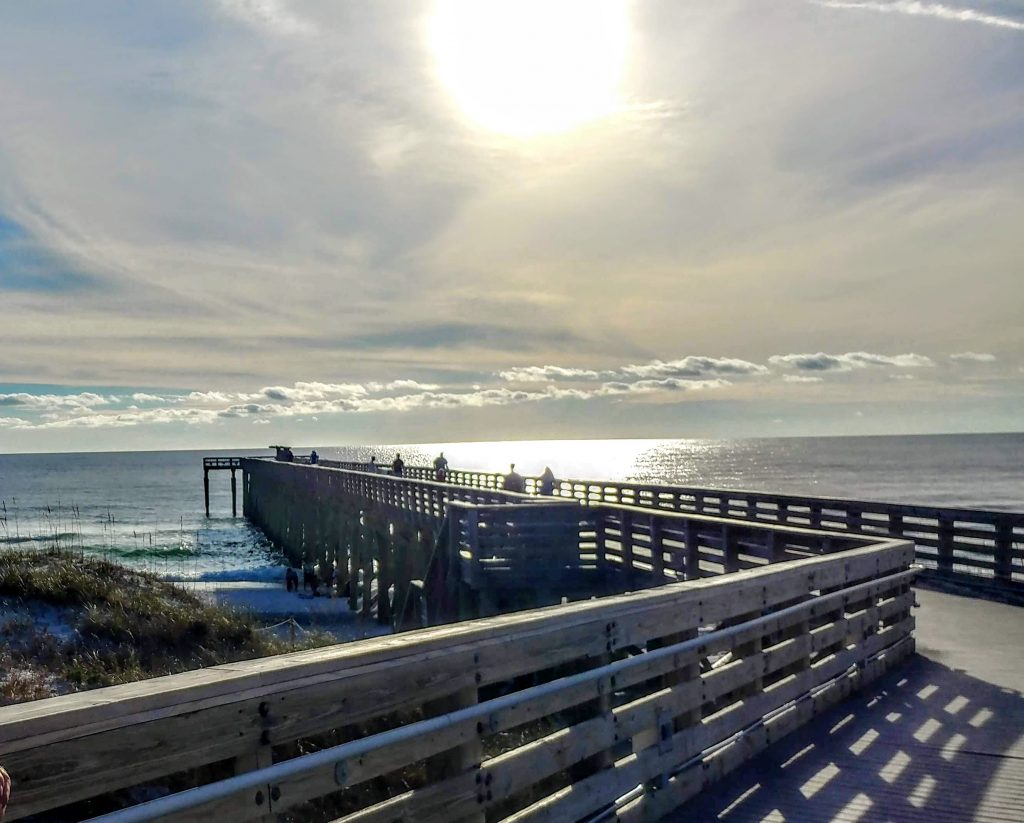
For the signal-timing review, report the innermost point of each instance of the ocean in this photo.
(146, 508)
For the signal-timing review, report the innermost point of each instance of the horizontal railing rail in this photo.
(552, 547)
(950, 541)
(406, 496)
(495, 717)
(222, 462)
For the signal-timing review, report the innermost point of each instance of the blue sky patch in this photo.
(25, 265)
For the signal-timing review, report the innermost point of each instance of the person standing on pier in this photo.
(514, 481)
(398, 466)
(314, 458)
(547, 482)
(372, 467)
(440, 468)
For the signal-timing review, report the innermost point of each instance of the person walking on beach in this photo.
(397, 466)
(309, 579)
(291, 580)
(514, 481)
(440, 468)
(547, 482)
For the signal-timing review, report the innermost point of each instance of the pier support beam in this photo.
(234, 497)
(206, 490)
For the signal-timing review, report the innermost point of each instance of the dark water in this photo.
(146, 508)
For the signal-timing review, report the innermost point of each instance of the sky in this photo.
(235, 222)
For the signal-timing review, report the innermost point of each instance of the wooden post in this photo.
(945, 544)
(206, 489)
(657, 550)
(234, 495)
(692, 551)
(401, 576)
(1003, 552)
(385, 577)
(462, 758)
(249, 762)
(472, 573)
(354, 549)
(670, 725)
(366, 552)
(730, 550)
(752, 648)
(626, 541)
(599, 548)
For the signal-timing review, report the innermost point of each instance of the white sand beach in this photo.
(271, 602)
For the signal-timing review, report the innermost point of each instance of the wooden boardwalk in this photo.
(974, 546)
(940, 740)
(540, 715)
(739, 621)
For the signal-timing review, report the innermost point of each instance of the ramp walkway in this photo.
(939, 740)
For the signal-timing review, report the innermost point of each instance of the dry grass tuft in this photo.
(127, 625)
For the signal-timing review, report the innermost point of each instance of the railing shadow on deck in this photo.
(555, 712)
(926, 743)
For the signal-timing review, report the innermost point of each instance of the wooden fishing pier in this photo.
(603, 653)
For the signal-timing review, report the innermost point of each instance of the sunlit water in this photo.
(146, 508)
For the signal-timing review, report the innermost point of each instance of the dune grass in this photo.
(118, 625)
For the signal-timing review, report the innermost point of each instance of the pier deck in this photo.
(733, 626)
(941, 740)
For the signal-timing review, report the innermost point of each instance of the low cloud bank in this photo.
(656, 380)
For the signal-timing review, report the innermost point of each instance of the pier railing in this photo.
(629, 703)
(971, 544)
(512, 550)
(948, 541)
(423, 501)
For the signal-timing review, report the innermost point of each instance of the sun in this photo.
(531, 67)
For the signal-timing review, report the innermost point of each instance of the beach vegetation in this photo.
(71, 622)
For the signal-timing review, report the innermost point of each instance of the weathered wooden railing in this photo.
(416, 502)
(222, 462)
(504, 551)
(949, 541)
(380, 533)
(459, 477)
(553, 714)
(970, 544)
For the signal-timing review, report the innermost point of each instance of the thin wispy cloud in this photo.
(542, 374)
(50, 402)
(275, 16)
(958, 14)
(822, 362)
(973, 357)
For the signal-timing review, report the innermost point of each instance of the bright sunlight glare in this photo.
(531, 67)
